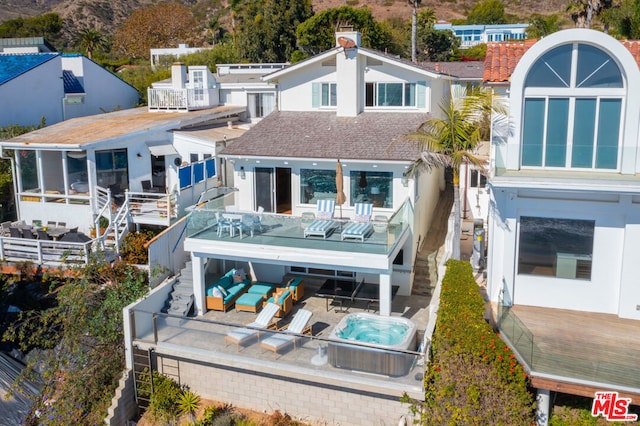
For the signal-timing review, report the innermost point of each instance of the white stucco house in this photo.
(564, 213)
(473, 34)
(56, 87)
(350, 104)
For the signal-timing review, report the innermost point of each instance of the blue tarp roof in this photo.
(13, 65)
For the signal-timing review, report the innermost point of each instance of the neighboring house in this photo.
(56, 87)
(233, 84)
(565, 211)
(25, 45)
(130, 167)
(470, 35)
(165, 56)
(354, 105)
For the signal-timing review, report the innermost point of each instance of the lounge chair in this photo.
(323, 226)
(290, 334)
(264, 320)
(361, 227)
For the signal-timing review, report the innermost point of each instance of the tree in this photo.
(414, 28)
(541, 26)
(91, 40)
(582, 12)
(317, 34)
(434, 45)
(487, 12)
(159, 25)
(450, 141)
(48, 26)
(267, 29)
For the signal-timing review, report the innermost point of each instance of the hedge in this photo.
(473, 376)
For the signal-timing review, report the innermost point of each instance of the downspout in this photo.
(13, 178)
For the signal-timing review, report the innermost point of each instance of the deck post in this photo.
(197, 263)
(542, 407)
(385, 294)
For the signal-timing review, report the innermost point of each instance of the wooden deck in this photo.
(585, 351)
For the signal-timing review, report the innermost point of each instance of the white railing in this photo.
(179, 99)
(152, 209)
(44, 250)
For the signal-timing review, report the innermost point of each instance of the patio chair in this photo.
(361, 227)
(323, 226)
(62, 224)
(26, 233)
(224, 224)
(298, 325)
(15, 232)
(5, 228)
(264, 320)
(42, 235)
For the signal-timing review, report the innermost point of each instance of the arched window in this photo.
(573, 101)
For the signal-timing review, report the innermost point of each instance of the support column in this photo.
(385, 294)
(198, 263)
(542, 407)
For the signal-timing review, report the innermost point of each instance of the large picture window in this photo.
(560, 248)
(317, 185)
(391, 94)
(372, 187)
(573, 110)
(112, 168)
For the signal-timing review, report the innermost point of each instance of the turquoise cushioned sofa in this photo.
(233, 290)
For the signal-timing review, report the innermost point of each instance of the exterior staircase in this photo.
(426, 263)
(180, 300)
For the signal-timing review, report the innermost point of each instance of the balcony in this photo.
(277, 231)
(180, 99)
(602, 355)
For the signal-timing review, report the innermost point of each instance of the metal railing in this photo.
(178, 99)
(42, 251)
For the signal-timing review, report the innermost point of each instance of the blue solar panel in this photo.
(12, 65)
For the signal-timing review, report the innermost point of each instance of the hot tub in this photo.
(379, 346)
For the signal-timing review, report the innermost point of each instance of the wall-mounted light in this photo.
(139, 155)
(404, 180)
(243, 175)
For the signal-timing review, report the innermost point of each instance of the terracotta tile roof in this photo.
(368, 136)
(502, 58)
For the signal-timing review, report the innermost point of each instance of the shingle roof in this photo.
(368, 136)
(13, 65)
(502, 58)
(71, 83)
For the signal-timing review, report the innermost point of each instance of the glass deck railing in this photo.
(211, 222)
(304, 352)
(591, 361)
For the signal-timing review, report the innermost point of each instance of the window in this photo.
(478, 180)
(569, 119)
(112, 168)
(560, 248)
(28, 169)
(261, 104)
(391, 94)
(198, 85)
(372, 187)
(328, 95)
(316, 185)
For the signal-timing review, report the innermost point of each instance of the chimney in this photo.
(178, 75)
(349, 74)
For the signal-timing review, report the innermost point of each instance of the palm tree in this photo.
(450, 141)
(91, 40)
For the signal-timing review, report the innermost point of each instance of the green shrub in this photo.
(473, 377)
(164, 401)
(133, 247)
